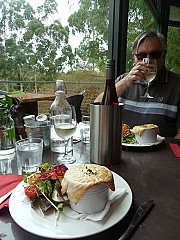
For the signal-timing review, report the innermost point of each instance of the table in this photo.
(29, 102)
(152, 173)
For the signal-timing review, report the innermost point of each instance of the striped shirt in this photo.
(163, 109)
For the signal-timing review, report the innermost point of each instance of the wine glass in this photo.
(150, 75)
(65, 127)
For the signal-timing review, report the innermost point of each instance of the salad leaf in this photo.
(129, 138)
(45, 186)
(47, 178)
(25, 178)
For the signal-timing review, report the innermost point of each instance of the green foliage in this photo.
(93, 47)
(139, 20)
(8, 105)
(33, 48)
(173, 53)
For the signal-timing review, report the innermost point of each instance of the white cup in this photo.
(94, 200)
(148, 136)
(29, 153)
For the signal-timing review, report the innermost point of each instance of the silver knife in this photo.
(140, 213)
(4, 197)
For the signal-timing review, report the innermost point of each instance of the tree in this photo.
(35, 47)
(29, 45)
(173, 52)
(92, 21)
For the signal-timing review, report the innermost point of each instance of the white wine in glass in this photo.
(65, 130)
(65, 127)
(149, 75)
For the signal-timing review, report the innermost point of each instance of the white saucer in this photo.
(159, 140)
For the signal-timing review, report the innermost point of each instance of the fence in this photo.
(92, 90)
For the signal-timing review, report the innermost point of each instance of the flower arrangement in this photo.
(8, 105)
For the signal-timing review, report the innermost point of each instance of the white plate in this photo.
(159, 140)
(67, 228)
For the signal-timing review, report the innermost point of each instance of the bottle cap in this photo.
(41, 118)
(60, 86)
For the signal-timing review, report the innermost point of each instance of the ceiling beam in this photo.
(175, 3)
(154, 9)
(160, 10)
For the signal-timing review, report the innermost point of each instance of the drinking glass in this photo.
(85, 129)
(65, 127)
(150, 75)
(29, 153)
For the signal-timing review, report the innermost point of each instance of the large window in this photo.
(173, 52)
(139, 20)
(37, 42)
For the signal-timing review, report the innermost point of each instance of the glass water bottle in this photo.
(57, 143)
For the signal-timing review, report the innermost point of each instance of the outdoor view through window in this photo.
(45, 40)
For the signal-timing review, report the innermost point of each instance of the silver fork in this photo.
(4, 197)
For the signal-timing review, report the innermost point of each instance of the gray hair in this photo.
(149, 34)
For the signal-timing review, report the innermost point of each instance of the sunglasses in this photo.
(152, 55)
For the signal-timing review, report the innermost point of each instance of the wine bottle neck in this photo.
(110, 95)
(110, 75)
(110, 69)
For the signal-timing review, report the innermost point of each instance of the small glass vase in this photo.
(7, 135)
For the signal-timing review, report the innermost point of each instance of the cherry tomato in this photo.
(31, 191)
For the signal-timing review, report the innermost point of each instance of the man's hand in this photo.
(178, 134)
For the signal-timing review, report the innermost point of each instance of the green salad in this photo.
(43, 188)
(128, 137)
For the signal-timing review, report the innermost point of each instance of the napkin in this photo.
(7, 183)
(175, 148)
(114, 196)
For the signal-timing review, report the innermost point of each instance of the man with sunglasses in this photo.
(164, 108)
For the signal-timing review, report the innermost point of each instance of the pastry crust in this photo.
(141, 128)
(79, 179)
